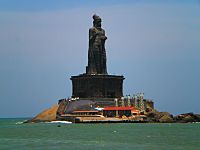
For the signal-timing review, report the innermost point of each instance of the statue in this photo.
(96, 82)
(96, 52)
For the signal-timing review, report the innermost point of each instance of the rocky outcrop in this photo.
(153, 116)
(187, 117)
(46, 115)
(163, 117)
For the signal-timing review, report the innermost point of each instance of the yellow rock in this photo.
(46, 115)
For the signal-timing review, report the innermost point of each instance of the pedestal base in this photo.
(97, 86)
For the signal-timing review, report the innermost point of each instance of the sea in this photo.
(14, 135)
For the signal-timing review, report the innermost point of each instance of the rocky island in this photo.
(97, 97)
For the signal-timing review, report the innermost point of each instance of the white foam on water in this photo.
(19, 122)
(64, 122)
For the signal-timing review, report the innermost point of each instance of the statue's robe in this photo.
(96, 52)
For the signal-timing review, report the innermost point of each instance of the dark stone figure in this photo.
(96, 52)
(96, 83)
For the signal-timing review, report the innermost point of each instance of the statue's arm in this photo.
(104, 37)
(92, 35)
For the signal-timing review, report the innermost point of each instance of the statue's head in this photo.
(96, 21)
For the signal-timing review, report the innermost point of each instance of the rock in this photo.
(187, 117)
(47, 115)
(163, 117)
(166, 117)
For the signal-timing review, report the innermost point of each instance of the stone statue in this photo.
(96, 82)
(96, 52)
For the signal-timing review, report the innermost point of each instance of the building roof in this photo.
(84, 111)
(120, 108)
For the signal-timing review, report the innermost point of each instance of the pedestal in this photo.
(97, 86)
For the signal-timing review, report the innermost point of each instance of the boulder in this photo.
(187, 117)
(163, 117)
(46, 115)
(166, 117)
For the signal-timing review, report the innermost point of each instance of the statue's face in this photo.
(98, 23)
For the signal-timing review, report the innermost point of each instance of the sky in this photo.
(154, 44)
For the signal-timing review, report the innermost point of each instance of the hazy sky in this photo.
(155, 44)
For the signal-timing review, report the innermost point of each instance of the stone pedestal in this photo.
(97, 86)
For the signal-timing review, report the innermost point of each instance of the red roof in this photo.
(119, 108)
(80, 111)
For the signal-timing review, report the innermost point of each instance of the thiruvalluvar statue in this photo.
(96, 51)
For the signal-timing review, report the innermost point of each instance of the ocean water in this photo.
(45, 136)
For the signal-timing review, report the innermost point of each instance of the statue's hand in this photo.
(103, 37)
